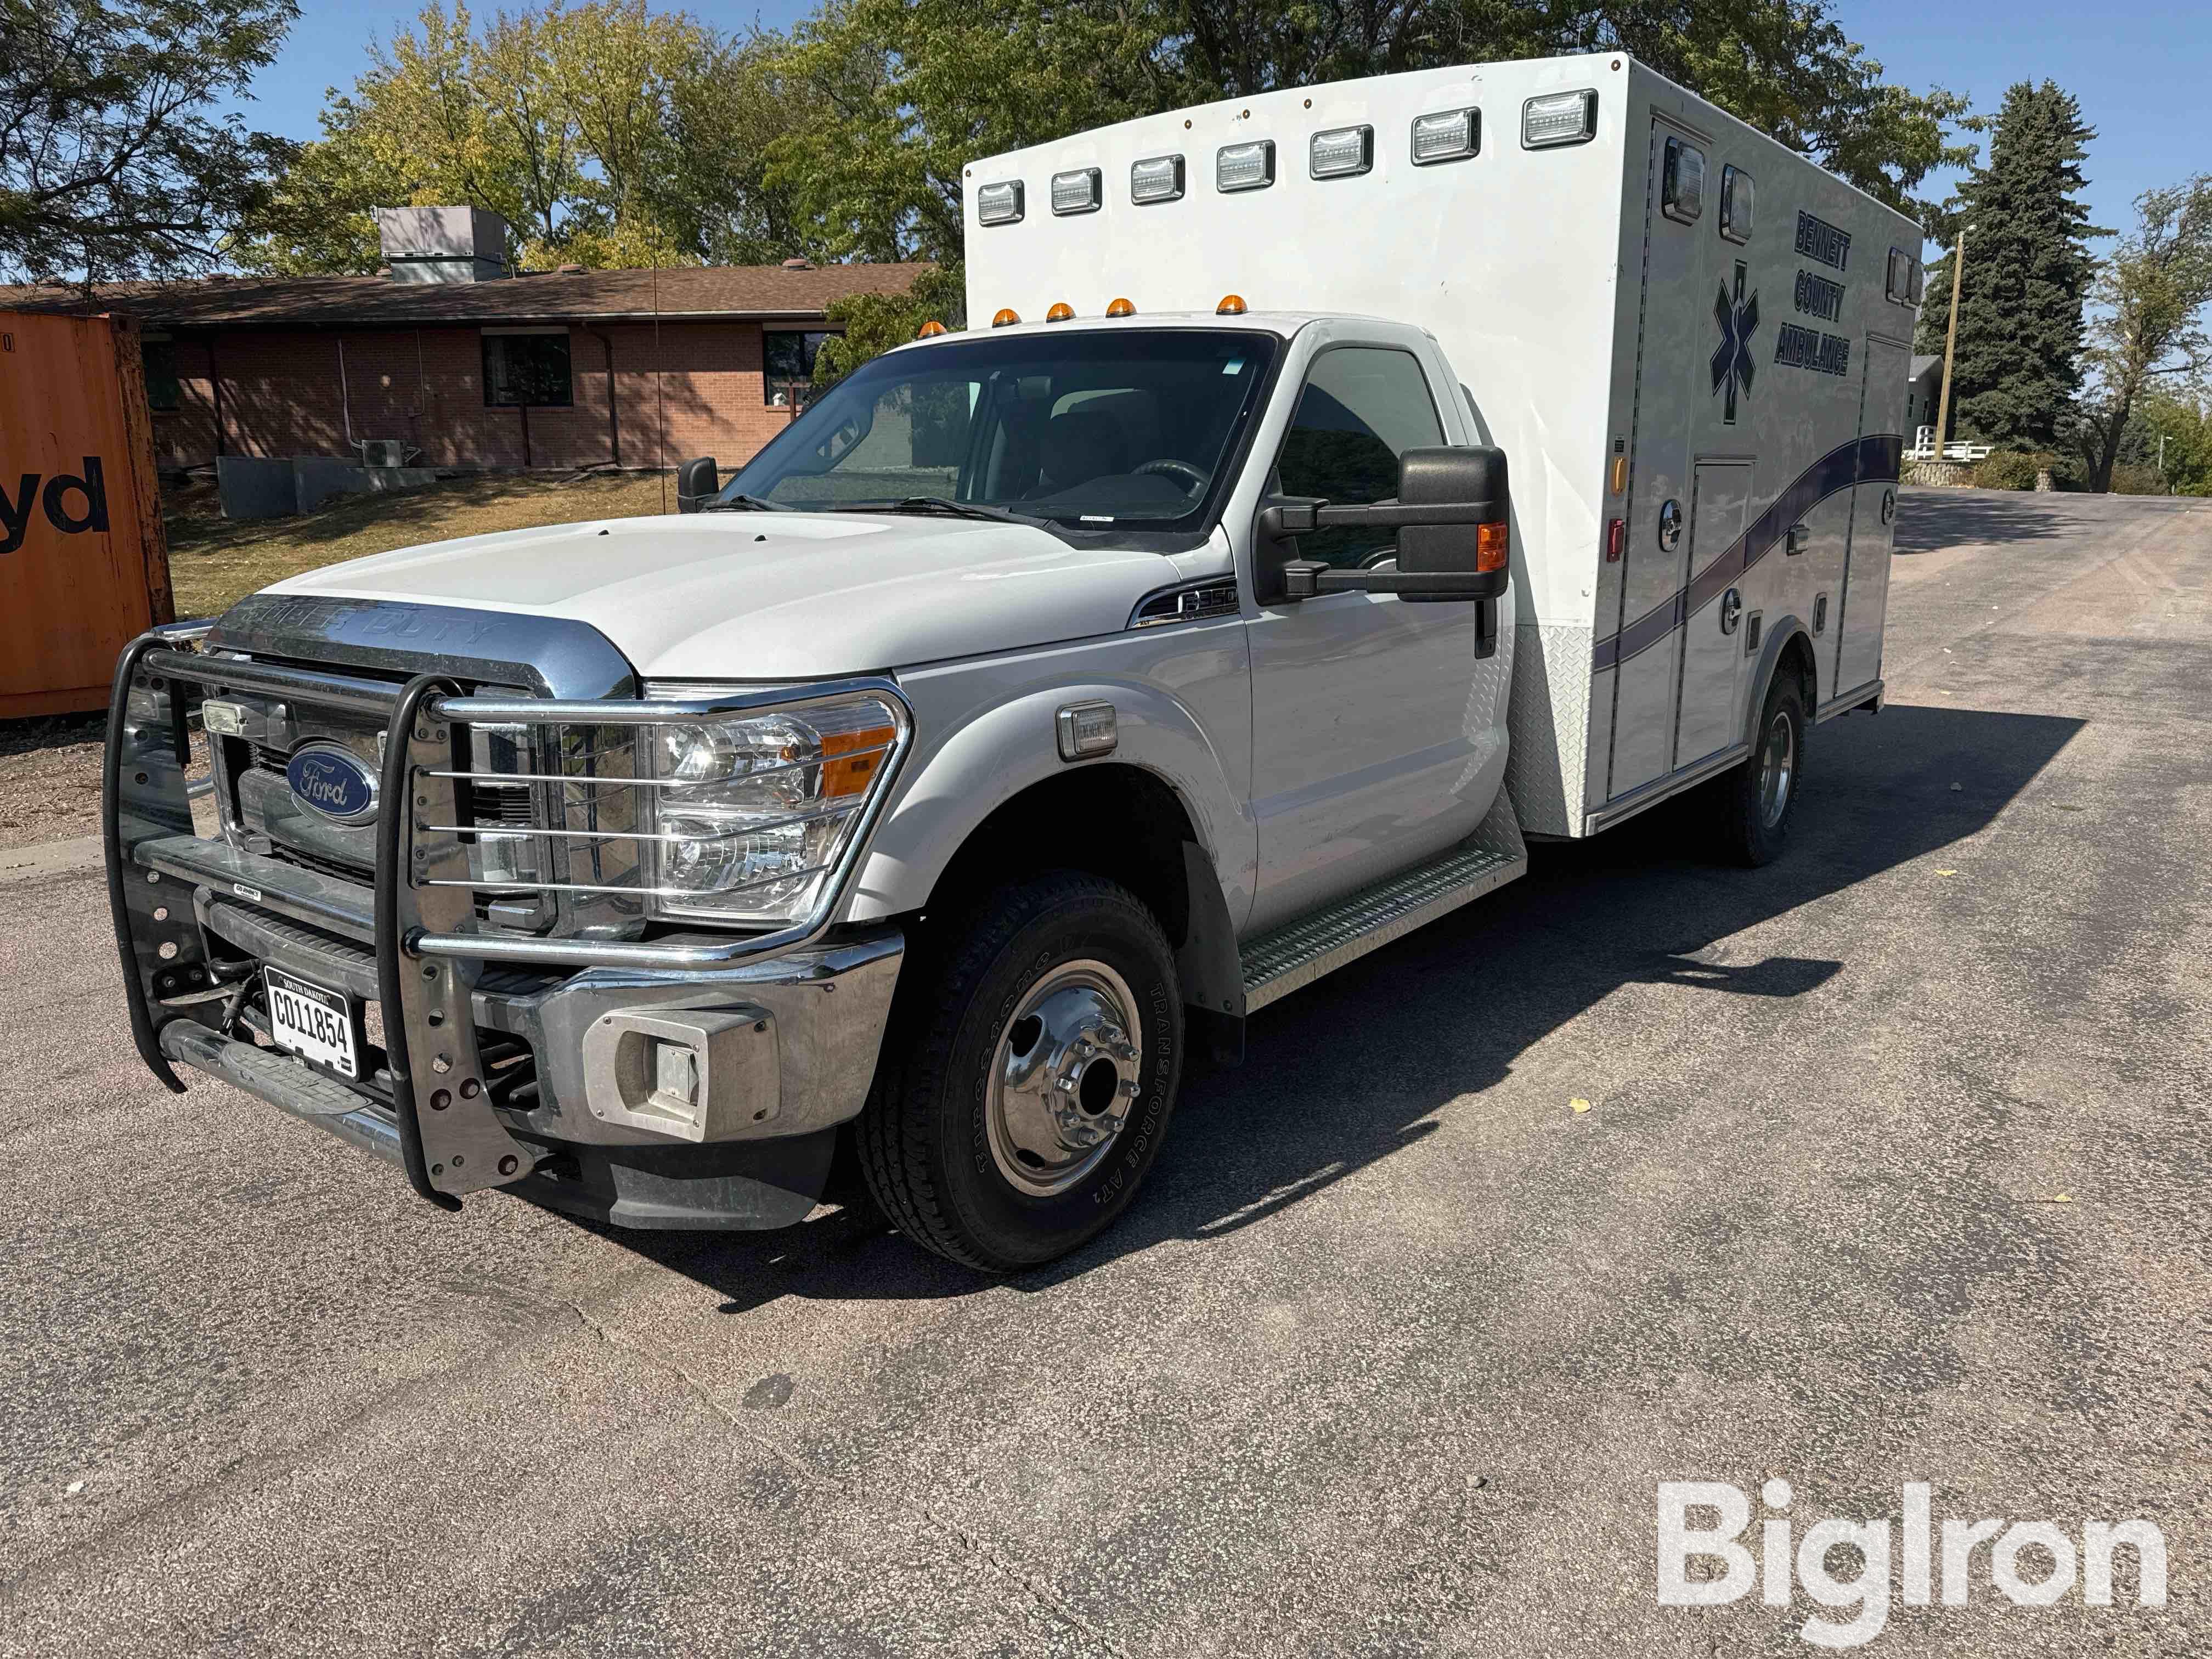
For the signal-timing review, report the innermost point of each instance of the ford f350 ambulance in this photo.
(1334, 486)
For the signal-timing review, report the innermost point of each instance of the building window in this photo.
(527, 371)
(787, 361)
(162, 392)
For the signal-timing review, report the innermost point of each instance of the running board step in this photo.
(1300, 951)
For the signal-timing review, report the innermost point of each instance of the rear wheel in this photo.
(1028, 1073)
(1754, 801)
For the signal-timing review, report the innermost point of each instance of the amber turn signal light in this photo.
(1490, 547)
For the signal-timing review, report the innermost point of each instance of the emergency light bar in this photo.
(1341, 153)
(1000, 203)
(1244, 166)
(1076, 192)
(1451, 135)
(1558, 117)
(1158, 179)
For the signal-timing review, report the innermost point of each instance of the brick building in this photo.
(566, 368)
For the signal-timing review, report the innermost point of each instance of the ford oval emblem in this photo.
(333, 781)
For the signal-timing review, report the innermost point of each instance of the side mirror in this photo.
(697, 482)
(1451, 516)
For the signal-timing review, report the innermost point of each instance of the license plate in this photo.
(313, 1023)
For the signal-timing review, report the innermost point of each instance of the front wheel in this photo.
(1755, 800)
(1028, 1073)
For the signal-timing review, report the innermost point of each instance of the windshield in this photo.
(1092, 430)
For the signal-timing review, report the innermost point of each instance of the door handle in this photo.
(1731, 611)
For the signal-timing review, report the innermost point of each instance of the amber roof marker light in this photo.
(1232, 305)
(1122, 308)
(929, 330)
(1061, 313)
(1007, 314)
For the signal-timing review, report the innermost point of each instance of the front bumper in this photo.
(533, 1073)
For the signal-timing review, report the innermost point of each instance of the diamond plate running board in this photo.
(1301, 951)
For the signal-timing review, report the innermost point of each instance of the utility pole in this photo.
(1950, 339)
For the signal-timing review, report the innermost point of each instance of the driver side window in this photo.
(1362, 407)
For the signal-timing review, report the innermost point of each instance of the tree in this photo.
(874, 322)
(913, 91)
(2028, 268)
(111, 164)
(2148, 333)
(563, 120)
(2175, 434)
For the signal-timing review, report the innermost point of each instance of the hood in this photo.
(756, 596)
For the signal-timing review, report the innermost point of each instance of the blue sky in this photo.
(2139, 71)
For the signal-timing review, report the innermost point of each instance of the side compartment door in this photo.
(1711, 644)
(1364, 740)
(1873, 516)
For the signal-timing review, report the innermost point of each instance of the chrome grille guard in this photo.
(420, 914)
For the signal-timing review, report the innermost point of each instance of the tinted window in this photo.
(1362, 407)
(1094, 428)
(787, 363)
(162, 391)
(529, 370)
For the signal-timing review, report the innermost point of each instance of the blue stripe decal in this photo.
(1873, 459)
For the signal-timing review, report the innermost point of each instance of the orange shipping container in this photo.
(83, 566)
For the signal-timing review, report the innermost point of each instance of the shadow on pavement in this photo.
(1352, 1070)
(1928, 521)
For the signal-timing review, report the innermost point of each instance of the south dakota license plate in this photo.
(313, 1023)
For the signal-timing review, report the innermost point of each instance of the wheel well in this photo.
(1112, 819)
(1797, 658)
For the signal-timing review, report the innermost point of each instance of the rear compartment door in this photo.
(1712, 637)
(1873, 515)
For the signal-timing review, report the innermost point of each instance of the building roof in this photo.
(719, 292)
(1922, 365)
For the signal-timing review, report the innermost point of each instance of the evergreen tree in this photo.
(2028, 267)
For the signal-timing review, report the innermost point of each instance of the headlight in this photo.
(753, 815)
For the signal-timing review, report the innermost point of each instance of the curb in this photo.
(79, 856)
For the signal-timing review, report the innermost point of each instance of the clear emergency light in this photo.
(1342, 152)
(1157, 178)
(1558, 117)
(1244, 166)
(1000, 203)
(1682, 182)
(1076, 192)
(1737, 199)
(1450, 135)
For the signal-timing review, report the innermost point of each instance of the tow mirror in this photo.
(697, 482)
(1451, 515)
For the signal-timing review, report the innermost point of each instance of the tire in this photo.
(1002, 1131)
(1755, 802)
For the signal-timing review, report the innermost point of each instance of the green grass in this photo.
(215, 561)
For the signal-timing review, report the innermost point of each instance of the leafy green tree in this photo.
(112, 164)
(2028, 269)
(2147, 330)
(874, 322)
(561, 119)
(2172, 433)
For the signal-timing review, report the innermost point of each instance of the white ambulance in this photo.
(1332, 486)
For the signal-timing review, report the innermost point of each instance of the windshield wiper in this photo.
(936, 504)
(742, 504)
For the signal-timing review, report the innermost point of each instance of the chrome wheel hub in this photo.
(1064, 1077)
(1778, 769)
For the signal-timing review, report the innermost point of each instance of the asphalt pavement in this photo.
(1893, 1170)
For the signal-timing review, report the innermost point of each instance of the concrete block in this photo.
(255, 487)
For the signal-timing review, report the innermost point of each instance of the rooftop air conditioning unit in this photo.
(383, 451)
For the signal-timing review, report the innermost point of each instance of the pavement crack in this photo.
(968, 1543)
